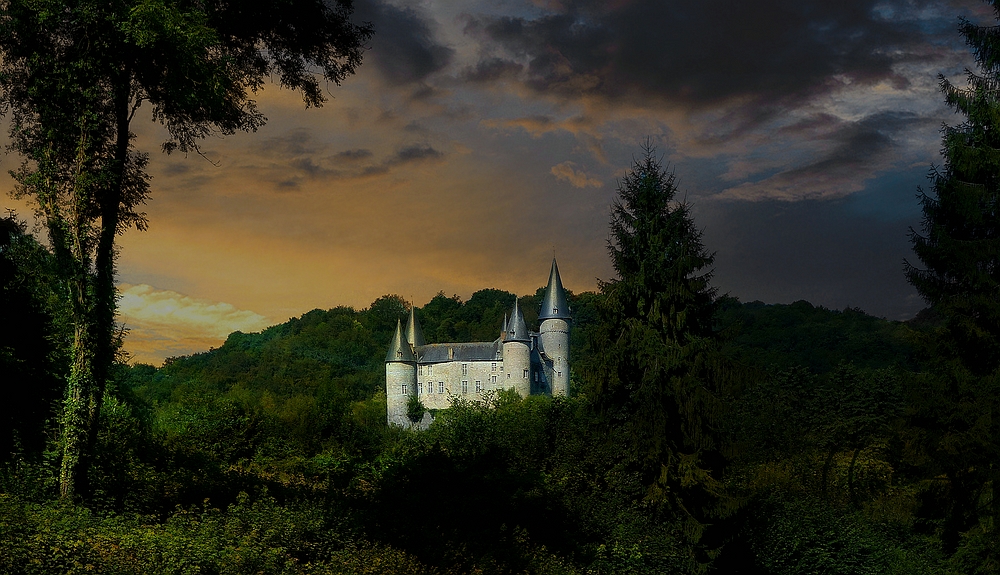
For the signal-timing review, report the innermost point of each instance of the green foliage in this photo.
(804, 535)
(72, 77)
(953, 422)
(960, 244)
(657, 376)
(414, 409)
(33, 341)
(249, 537)
(800, 334)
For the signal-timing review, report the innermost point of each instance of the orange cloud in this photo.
(577, 178)
(164, 323)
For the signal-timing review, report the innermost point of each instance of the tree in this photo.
(657, 378)
(960, 244)
(32, 357)
(954, 414)
(72, 77)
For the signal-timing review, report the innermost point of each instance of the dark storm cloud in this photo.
(404, 49)
(703, 52)
(854, 152)
(492, 69)
(863, 142)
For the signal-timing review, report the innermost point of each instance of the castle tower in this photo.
(554, 331)
(400, 378)
(517, 354)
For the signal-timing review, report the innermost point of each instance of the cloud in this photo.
(164, 321)
(356, 154)
(763, 56)
(415, 154)
(404, 49)
(577, 178)
(291, 159)
(857, 151)
(491, 69)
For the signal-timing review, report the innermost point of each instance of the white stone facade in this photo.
(527, 362)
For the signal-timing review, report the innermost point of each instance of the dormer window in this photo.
(399, 354)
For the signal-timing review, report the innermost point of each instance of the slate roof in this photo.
(474, 351)
(516, 329)
(554, 305)
(399, 350)
(414, 335)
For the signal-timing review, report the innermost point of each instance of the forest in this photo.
(702, 434)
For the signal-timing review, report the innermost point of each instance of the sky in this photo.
(479, 138)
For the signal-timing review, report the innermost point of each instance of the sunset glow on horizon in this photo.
(479, 137)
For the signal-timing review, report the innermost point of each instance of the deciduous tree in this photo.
(74, 73)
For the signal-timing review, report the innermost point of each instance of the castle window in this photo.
(420, 388)
(402, 389)
(399, 354)
(555, 310)
(465, 387)
(430, 369)
(440, 387)
(421, 368)
(465, 369)
(559, 373)
(430, 387)
(525, 374)
(508, 376)
(494, 367)
(494, 380)
(479, 386)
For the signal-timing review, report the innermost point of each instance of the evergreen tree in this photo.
(960, 243)
(954, 413)
(657, 379)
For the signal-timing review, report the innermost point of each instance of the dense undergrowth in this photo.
(270, 455)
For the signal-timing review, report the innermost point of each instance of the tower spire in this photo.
(399, 349)
(517, 330)
(414, 335)
(554, 304)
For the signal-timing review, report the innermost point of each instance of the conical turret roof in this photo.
(517, 330)
(399, 349)
(554, 304)
(414, 335)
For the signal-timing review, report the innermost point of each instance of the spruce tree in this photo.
(954, 421)
(960, 243)
(656, 379)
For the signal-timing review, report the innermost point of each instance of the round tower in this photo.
(554, 332)
(400, 379)
(517, 354)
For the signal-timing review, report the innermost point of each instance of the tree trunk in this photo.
(826, 469)
(94, 318)
(850, 478)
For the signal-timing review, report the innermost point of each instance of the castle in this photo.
(525, 361)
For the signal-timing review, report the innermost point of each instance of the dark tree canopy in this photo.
(657, 377)
(73, 75)
(959, 246)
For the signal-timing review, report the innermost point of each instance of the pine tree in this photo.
(657, 379)
(954, 413)
(960, 243)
